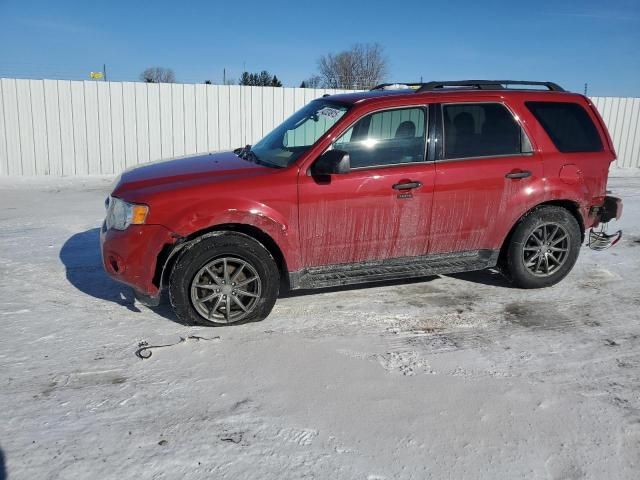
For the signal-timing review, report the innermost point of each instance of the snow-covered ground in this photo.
(449, 377)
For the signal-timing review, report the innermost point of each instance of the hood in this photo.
(211, 167)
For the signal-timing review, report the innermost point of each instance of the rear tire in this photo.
(543, 248)
(228, 278)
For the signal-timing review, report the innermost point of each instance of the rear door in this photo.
(382, 207)
(486, 176)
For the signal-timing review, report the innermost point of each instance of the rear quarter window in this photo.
(568, 125)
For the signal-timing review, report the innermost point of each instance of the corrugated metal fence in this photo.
(60, 127)
(622, 117)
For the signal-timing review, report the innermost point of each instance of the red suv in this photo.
(401, 181)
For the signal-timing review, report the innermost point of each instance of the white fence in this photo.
(622, 117)
(60, 127)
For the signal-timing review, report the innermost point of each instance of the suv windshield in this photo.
(298, 133)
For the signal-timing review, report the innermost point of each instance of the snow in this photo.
(617, 172)
(450, 377)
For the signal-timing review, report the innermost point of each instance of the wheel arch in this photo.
(571, 206)
(169, 254)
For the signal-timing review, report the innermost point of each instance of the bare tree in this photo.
(158, 75)
(314, 81)
(362, 66)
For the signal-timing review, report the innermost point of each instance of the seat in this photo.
(405, 147)
(406, 129)
(465, 136)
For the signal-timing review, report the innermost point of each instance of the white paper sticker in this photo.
(332, 113)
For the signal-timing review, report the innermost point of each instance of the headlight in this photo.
(121, 214)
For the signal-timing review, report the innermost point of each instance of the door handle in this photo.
(406, 185)
(520, 174)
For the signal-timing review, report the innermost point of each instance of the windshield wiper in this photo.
(242, 150)
(249, 155)
(246, 154)
(252, 157)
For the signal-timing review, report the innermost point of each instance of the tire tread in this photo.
(206, 248)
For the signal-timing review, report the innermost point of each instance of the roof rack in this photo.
(413, 86)
(471, 84)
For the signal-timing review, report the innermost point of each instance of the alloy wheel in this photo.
(226, 290)
(546, 249)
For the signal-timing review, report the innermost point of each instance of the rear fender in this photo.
(570, 186)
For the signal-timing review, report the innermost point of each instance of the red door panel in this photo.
(475, 204)
(359, 216)
(488, 176)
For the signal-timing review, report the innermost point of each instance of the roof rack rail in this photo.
(487, 84)
(412, 85)
(471, 84)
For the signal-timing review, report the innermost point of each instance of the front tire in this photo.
(223, 279)
(543, 248)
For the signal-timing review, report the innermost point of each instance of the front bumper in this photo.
(129, 256)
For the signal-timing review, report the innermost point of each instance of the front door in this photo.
(487, 176)
(382, 207)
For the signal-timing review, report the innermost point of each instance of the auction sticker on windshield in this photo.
(332, 113)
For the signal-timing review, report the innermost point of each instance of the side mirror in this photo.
(332, 162)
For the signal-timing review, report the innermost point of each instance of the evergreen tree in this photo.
(275, 82)
(262, 79)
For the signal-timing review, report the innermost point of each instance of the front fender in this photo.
(201, 217)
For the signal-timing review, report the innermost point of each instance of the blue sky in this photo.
(570, 42)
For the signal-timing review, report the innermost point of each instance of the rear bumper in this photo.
(129, 256)
(611, 209)
(601, 240)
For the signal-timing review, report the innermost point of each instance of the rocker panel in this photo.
(392, 269)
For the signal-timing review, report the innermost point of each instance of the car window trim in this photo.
(516, 118)
(389, 165)
(435, 139)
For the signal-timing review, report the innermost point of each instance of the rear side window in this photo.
(568, 126)
(481, 130)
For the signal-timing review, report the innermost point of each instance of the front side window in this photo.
(297, 134)
(386, 138)
(568, 125)
(481, 130)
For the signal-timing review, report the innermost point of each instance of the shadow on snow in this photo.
(81, 257)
